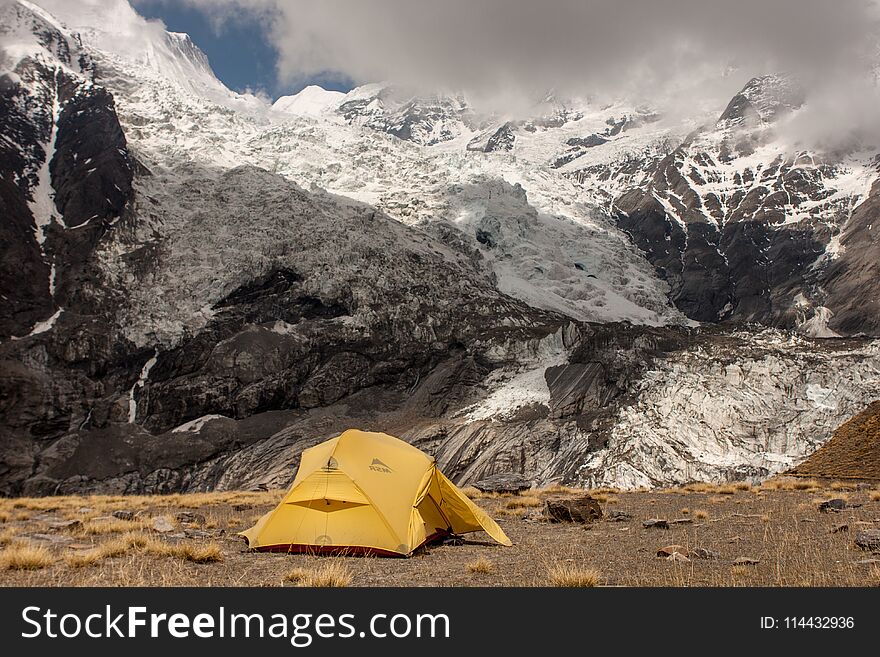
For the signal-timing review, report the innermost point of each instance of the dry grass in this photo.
(481, 566)
(874, 496)
(571, 575)
(743, 486)
(685, 511)
(523, 502)
(558, 489)
(699, 487)
(700, 514)
(472, 493)
(103, 526)
(194, 552)
(726, 490)
(330, 574)
(120, 545)
(21, 556)
(6, 537)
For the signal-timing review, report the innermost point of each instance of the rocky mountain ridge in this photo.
(199, 285)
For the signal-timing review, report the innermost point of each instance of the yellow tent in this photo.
(365, 492)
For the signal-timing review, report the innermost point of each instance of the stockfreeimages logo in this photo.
(299, 629)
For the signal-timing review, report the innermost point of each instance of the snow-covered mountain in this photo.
(196, 284)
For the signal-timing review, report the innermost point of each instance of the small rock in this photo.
(840, 528)
(51, 538)
(45, 517)
(867, 562)
(85, 509)
(196, 533)
(123, 514)
(143, 513)
(192, 518)
(704, 553)
(868, 539)
(669, 550)
(242, 507)
(503, 482)
(735, 539)
(832, 506)
(681, 521)
(63, 525)
(746, 561)
(162, 525)
(80, 546)
(808, 520)
(655, 523)
(619, 516)
(578, 509)
(677, 556)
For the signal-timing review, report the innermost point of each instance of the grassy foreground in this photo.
(728, 535)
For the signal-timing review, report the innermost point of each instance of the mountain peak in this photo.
(310, 101)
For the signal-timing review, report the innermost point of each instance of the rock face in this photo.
(743, 230)
(583, 509)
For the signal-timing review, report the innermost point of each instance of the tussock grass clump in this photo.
(804, 484)
(726, 490)
(6, 537)
(472, 493)
(523, 502)
(742, 485)
(194, 552)
(327, 575)
(114, 547)
(701, 514)
(481, 566)
(557, 489)
(570, 575)
(25, 557)
(699, 487)
(842, 485)
(685, 511)
(875, 496)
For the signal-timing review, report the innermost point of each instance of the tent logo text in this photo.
(378, 466)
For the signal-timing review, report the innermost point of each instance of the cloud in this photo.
(588, 45)
(676, 54)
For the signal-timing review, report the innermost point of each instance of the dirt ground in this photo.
(777, 524)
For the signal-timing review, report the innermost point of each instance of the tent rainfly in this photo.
(367, 493)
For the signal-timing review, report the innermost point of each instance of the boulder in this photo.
(619, 516)
(681, 521)
(703, 553)
(162, 525)
(669, 550)
(574, 509)
(832, 506)
(123, 514)
(837, 529)
(655, 523)
(868, 539)
(191, 518)
(503, 482)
